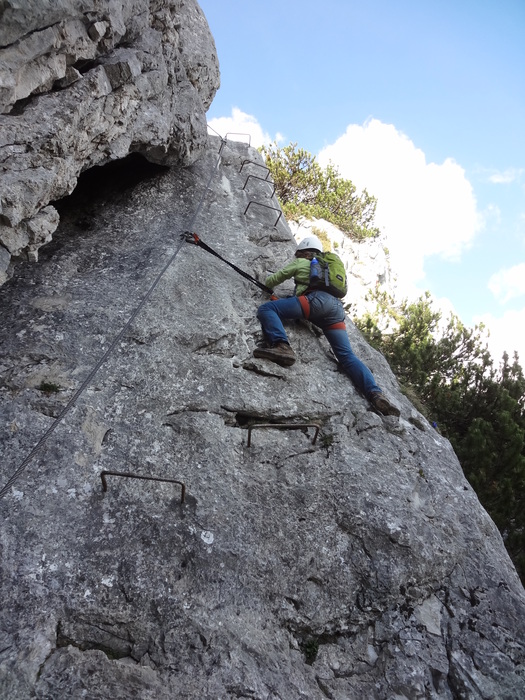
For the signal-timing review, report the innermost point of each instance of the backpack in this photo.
(333, 275)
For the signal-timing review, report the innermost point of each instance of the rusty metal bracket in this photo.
(256, 177)
(138, 476)
(259, 165)
(284, 426)
(267, 206)
(236, 133)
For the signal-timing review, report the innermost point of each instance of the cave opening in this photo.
(107, 182)
(96, 188)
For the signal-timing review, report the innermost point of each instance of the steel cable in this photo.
(71, 403)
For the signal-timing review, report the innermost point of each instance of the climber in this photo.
(323, 310)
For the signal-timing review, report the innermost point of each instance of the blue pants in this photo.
(325, 311)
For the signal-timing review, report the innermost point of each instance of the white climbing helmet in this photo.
(311, 243)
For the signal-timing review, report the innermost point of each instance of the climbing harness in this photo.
(194, 238)
(305, 306)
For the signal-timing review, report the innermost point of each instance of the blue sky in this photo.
(420, 101)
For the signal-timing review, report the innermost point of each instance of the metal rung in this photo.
(267, 207)
(253, 162)
(268, 182)
(138, 476)
(235, 133)
(284, 426)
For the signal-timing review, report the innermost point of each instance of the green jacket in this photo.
(299, 269)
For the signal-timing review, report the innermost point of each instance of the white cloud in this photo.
(508, 284)
(505, 177)
(507, 334)
(423, 208)
(243, 127)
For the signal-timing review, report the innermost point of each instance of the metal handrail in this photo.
(236, 133)
(253, 162)
(139, 476)
(256, 177)
(267, 207)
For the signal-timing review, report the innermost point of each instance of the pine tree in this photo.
(305, 189)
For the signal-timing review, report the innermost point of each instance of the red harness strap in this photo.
(305, 306)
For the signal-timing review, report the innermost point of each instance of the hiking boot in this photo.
(281, 353)
(383, 405)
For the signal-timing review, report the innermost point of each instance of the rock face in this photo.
(84, 82)
(356, 563)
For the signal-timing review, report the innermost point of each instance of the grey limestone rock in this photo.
(85, 82)
(355, 564)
